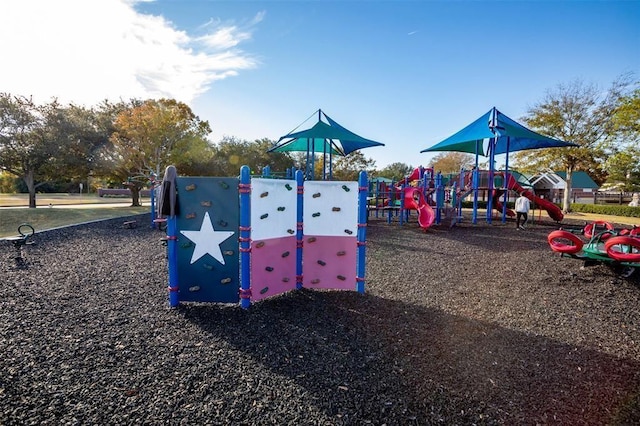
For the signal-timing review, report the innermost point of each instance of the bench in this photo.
(130, 224)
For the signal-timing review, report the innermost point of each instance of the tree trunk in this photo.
(31, 187)
(135, 196)
(135, 193)
(566, 202)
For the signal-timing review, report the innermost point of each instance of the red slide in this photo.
(498, 205)
(414, 200)
(554, 211)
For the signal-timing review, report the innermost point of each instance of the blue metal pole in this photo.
(153, 204)
(459, 187)
(362, 231)
(475, 183)
(505, 186)
(299, 227)
(490, 185)
(402, 204)
(172, 260)
(439, 197)
(245, 237)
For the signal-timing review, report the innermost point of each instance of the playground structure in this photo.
(233, 240)
(433, 196)
(414, 192)
(604, 245)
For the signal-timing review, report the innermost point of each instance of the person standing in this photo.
(522, 210)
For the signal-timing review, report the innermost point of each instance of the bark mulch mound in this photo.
(475, 324)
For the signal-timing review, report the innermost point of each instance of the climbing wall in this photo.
(330, 235)
(273, 237)
(207, 246)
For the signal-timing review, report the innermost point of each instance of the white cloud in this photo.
(86, 51)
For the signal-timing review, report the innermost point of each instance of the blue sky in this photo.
(404, 73)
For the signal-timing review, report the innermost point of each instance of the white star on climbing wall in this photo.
(207, 240)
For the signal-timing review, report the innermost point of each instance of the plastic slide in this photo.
(554, 211)
(415, 175)
(414, 200)
(498, 205)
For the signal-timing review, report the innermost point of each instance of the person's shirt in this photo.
(522, 204)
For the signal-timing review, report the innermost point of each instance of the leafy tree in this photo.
(231, 153)
(350, 166)
(33, 140)
(626, 118)
(623, 162)
(451, 162)
(396, 171)
(87, 133)
(624, 168)
(148, 137)
(580, 113)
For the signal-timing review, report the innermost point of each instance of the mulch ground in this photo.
(475, 324)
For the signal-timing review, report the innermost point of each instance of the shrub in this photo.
(607, 209)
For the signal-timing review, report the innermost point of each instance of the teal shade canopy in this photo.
(510, 137)
(340, 140)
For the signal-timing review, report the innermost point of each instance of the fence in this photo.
(609, 197)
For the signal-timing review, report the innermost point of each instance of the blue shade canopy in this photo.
(510, 136)
(339, 139)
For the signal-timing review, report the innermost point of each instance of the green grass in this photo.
(22, 200)
(47, 218)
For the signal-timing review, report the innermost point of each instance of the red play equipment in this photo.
(554, 211)
(411, 193)
(414, 200)
(605, 244)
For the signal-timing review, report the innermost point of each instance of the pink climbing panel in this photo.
(329, 262)
(273, 267)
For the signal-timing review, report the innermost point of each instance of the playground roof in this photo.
(510, 136)
(579, 179)
(324, 134)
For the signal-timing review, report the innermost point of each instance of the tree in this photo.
(451, 162)
(148, 137)
(623, 162)
(231, 153)
(624, 169)
(396, 171)
(626, 118)
(350, 166)
(31, 137)
(580, 113)
(87, 132)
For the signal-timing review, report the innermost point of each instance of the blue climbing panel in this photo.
(207, 246)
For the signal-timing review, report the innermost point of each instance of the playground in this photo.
(474, 324)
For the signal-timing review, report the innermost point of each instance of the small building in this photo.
(551, 186)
